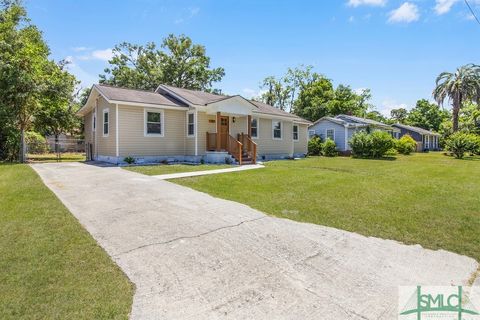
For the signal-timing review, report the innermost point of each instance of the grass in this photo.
(154, 170)
(51, 268)
(52, 157)
(427, 199)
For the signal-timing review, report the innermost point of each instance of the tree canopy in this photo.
(426, 115)
(179, 62)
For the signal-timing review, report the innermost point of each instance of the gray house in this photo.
(341, 128)
(426, 140)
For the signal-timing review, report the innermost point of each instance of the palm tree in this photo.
(463, 85)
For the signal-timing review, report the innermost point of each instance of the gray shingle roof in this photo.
(416, 129)
(348, 118)
(138, 96)
(194, 96)
(268, 109)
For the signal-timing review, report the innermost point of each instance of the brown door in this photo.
(224, 132)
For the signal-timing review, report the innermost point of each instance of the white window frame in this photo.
(162, 123)
(94, 121)
(293, 132)
(258, 128)
(273, 129)
(311, 134)
(326, 133)
(192, 112)
(104, 112)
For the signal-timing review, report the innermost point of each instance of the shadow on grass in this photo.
(387, 158)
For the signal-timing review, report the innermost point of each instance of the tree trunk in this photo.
(23, 147)
(455, 112)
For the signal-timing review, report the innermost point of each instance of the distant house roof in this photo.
(352, 121)
(415, 129)
(138, 96)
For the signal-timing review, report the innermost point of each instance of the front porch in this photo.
(236, 141)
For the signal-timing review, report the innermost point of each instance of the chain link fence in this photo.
(51, 149)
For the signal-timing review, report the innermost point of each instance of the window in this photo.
(154, 123)
(311, 133)
(277, 129)
(106, 121)
(295, 132)
(331, 134)
(191, 124)
(94, 121)
(254, 128)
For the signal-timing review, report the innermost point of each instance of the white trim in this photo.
(310, 131)
(117, 152)
(326, 133)
(346, 137)
(162, 123)
(293, 132)
(105, 111)
(194, 123)
(258, 128)
(96, 135)
(281, 129)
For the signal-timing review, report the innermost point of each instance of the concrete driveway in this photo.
(193, 256)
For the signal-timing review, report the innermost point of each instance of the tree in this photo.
(57, 114)
(399, 115)
(179, 63)
(312, 101)
(458, 87)
(376, 116)
(23, 65)
(427, 115)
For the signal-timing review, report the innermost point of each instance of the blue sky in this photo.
(395, 48)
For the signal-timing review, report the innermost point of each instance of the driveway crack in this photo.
(188, 237)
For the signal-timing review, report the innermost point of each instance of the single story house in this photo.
(174, 124)
(426, 140)
(341, 128)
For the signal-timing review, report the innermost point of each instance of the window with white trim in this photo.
(254, 128)
(330, 134)
(295, 132)
(311, 133)
(106, 122)
(94, 121)
(191, 124)
(277, 129)
(153, 123)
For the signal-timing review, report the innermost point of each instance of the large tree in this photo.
(427, 115)
(23, 68)
(458, 87)
(399, 115)
(312, 102)
(178, 62)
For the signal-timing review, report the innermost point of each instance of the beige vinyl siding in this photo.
(106, 145)
(132, 139)
(265, 142)
(239, 126)
(189, 141)
(204, 126)
(87, 125)
(301, 145)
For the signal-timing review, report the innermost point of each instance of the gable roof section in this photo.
(415, 129)
(353, 119)
(137, 96)
(334, 120)
(193, 96)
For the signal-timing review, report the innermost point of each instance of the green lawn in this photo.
(52, 157)
(50, 267)
(429, 199)
(158, 169)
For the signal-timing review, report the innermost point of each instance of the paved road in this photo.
(193, 256)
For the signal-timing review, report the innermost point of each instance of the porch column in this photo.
(218, 132)
(249, 126)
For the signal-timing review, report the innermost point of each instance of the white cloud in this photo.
(252, 93)
(104, 55)
(388, 105)
(192, 12)
(373, 3)
(80, 49)
(407, 12)
(444, 6)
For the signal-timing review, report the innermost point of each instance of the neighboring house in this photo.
(426, 140)
(173, 124)
(341, 128)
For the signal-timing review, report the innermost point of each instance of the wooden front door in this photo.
(224, 132)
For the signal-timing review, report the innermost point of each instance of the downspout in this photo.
(96, 129)
(196, 131)
(116, 132)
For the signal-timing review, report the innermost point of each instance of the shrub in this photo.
(476, 145)
(405, 145)
(373, 145)
(129, 160)
(315, 146)
(329, 148)
(36, 142)
(459, 143)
